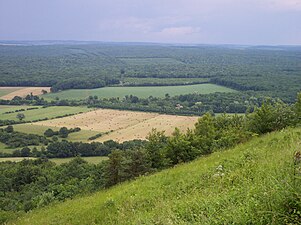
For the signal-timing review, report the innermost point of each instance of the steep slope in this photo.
(257, 182)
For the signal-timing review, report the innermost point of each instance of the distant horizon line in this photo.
(149, 43)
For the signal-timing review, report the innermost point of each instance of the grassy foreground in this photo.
(253, 183)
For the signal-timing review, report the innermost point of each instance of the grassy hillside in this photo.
(142, 92)
(253, 183)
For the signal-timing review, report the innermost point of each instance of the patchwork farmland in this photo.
(121, 125)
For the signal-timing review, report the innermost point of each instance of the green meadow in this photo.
(30, 128)
(143, 92)
(257, 182)
(40, 113)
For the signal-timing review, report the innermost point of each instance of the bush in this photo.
(271, 116)
(9, 129)
(64, 132)
(49, 133)
(95, 137)
(25, 152)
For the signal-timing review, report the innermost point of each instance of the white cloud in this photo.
(179, 31)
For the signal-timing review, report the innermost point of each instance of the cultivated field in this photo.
(143, 92)
(40, 113)
(121, 125)
(8, 93)
(7, 90)
(103, 120)
(166, 123)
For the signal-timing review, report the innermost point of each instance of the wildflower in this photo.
(220, 168)
(219, 172)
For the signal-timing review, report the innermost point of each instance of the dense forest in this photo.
(271, 71)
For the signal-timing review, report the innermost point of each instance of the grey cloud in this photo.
(198, 21)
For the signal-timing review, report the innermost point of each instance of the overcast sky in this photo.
(166, 21)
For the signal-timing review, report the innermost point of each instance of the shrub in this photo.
(271, 116)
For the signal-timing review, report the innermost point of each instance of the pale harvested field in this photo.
(102, 120)
(122, 125)
(22, 91)
(166, 123)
